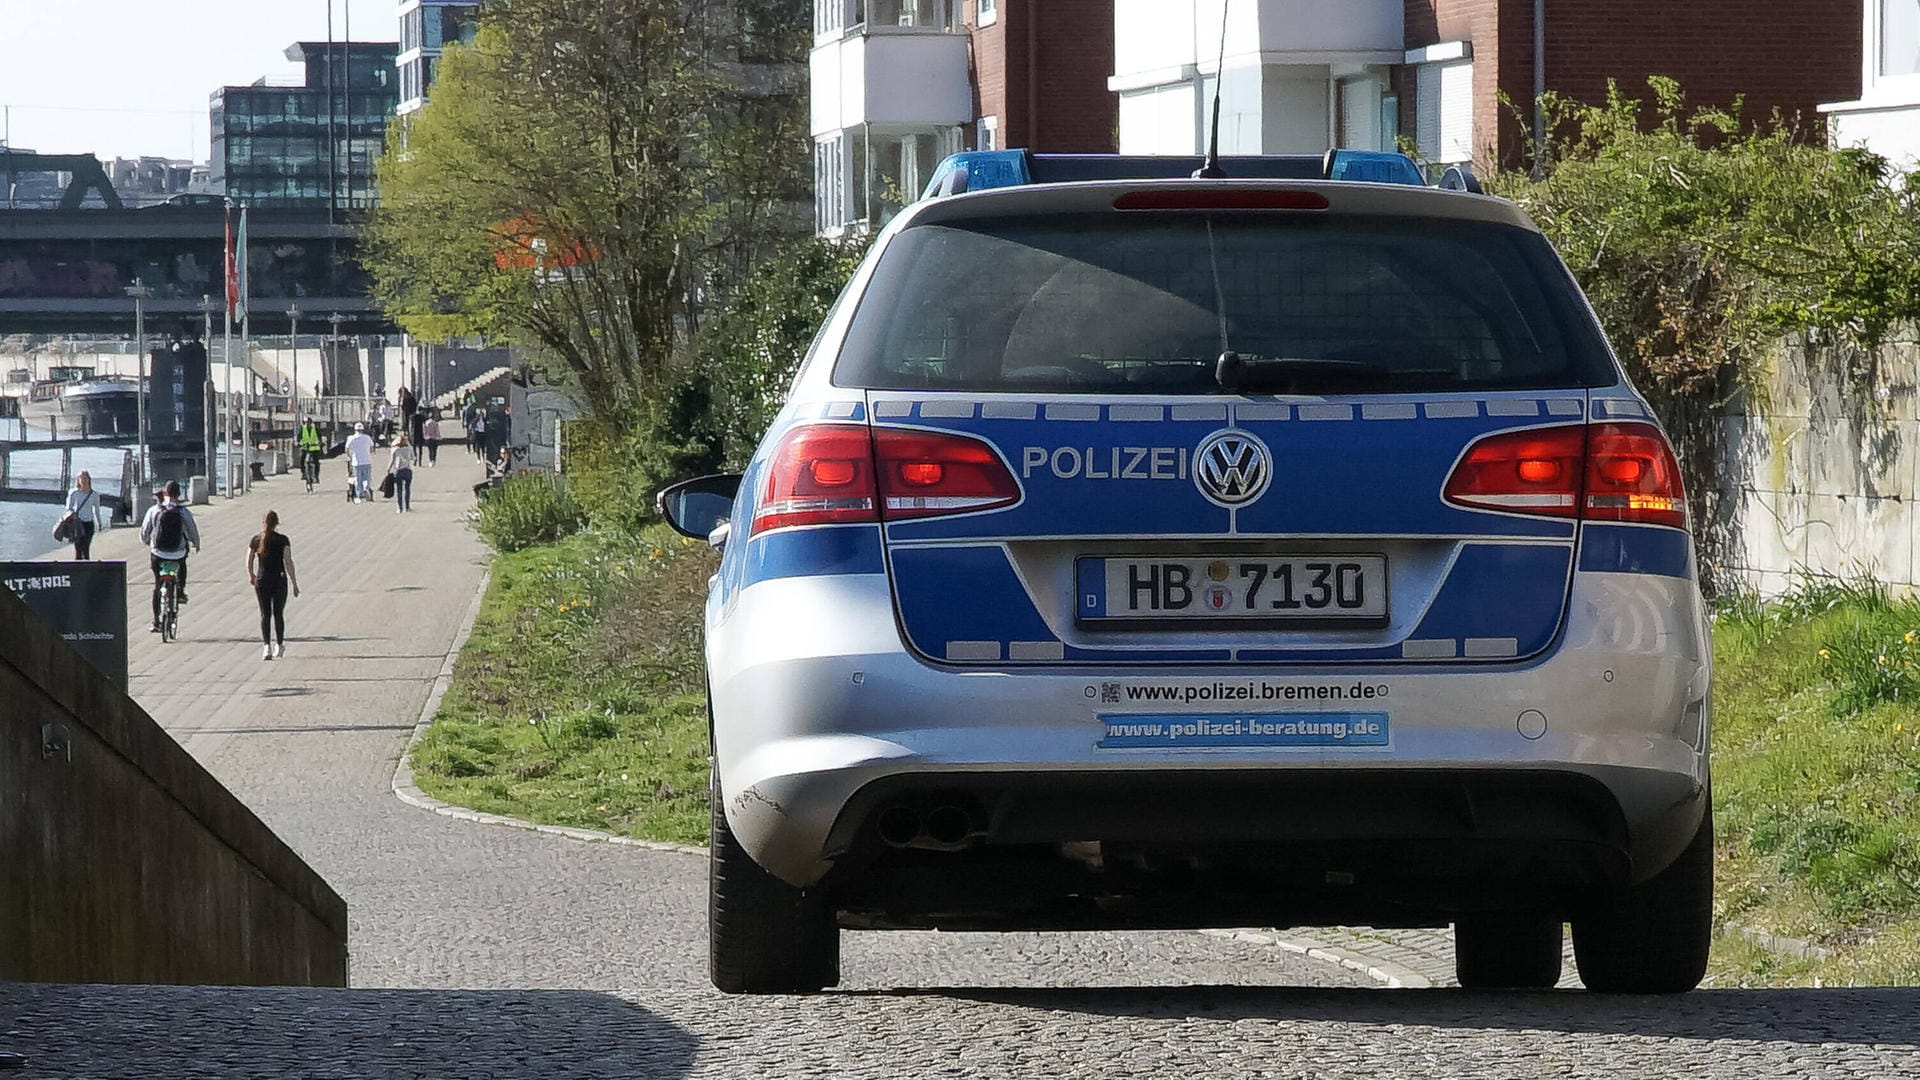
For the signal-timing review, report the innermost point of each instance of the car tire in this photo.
(1508, 951)
(763, 935)
(1652, 938)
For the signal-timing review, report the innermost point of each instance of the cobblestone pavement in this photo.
(487, 951)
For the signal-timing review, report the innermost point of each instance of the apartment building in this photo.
(1886, 116)
(899, 84)
(426, 28)
(1301, 76)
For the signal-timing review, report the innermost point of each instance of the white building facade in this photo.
(1886, 119)
(1297, 76)
(890, 91)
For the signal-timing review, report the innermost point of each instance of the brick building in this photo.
(1301, 76)
(899, 84)
(1785, 55)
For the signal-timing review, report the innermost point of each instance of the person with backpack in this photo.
(167, 531)
(270, 569)
(400, 470)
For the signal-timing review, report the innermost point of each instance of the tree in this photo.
(571, 185)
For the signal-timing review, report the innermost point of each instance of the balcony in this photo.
(890, 75)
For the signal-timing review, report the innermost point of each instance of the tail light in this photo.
(829, 474)
(1597, 472)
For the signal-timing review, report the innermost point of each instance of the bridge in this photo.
(68, 270)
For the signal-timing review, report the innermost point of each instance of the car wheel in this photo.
(1508, 951)
(763, 935)
(1652, 938)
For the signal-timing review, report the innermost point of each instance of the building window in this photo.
(1899, 37)
(987, 13)
(1444, 111)
(829, 17)
(987, 133)
(829, 184)
(921, 14)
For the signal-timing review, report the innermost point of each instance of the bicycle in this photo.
(169, 600)
(310, 468)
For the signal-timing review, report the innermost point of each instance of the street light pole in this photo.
(293, 342)
(140, 292)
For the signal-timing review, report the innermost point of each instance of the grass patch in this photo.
(1817, 783)
(579, 698)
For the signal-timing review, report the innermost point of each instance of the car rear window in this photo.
(1143, 303)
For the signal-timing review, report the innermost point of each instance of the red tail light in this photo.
(821, 474)
(928, 473)
(831, 474)
(1599, 472)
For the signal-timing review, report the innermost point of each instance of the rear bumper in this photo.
(1594, 751)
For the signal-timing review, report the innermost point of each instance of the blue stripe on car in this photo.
(826, 549)
(1634, 549)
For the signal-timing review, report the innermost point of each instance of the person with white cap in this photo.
(360, 455)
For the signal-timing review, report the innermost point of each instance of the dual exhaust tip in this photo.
(946, 827)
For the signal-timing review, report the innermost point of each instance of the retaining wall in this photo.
(122, 860)
(1823, 463)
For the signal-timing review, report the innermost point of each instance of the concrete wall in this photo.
(1822, 465)
(121, 859)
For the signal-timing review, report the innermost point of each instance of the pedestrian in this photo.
(497, 473)
(167, 530)
(477, 435)
(400, 467)
(386, 419)
(270, 569)
(83, 508)
(411, 415)
(497, 431)
(360, 456)
(430, 437)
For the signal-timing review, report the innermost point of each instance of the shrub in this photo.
(529, 509)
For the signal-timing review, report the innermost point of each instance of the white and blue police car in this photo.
(1141, 551)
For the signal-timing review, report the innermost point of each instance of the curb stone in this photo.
(408, 792)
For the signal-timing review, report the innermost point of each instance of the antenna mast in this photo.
(1210, 168)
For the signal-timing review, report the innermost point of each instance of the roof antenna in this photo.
(1210, 168)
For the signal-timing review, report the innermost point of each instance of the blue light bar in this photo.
(980, 170)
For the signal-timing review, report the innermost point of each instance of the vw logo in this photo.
(1231, 468)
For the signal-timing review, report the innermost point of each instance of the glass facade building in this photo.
(309, 146)
(426, 27)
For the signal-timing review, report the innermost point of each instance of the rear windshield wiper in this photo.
(1239, 374)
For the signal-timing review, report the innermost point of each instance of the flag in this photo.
(233, 284)
(244, 294)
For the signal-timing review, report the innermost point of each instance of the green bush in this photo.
(530, 508)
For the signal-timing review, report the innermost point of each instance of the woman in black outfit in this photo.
(270, 568)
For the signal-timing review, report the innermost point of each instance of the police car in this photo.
(1140, 551)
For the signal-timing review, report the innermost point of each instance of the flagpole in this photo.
(226, 360)
(246, 359)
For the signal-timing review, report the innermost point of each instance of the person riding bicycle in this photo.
(167, 530)
(310, 449)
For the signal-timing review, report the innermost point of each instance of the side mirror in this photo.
(698, 507)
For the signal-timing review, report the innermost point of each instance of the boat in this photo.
(107, 406)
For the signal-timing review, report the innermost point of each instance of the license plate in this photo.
(1232, 587)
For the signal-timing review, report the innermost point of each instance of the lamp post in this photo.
(293, 343)
(336, 319)
(140, 292)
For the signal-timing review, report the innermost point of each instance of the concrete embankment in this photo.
(124, 859)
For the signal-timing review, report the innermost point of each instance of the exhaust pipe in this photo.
(898, 825)
(949, 826)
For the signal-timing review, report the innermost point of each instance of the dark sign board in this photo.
(84, 602)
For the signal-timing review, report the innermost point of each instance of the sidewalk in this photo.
(310, 742)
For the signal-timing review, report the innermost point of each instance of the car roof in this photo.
(1093, 197)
